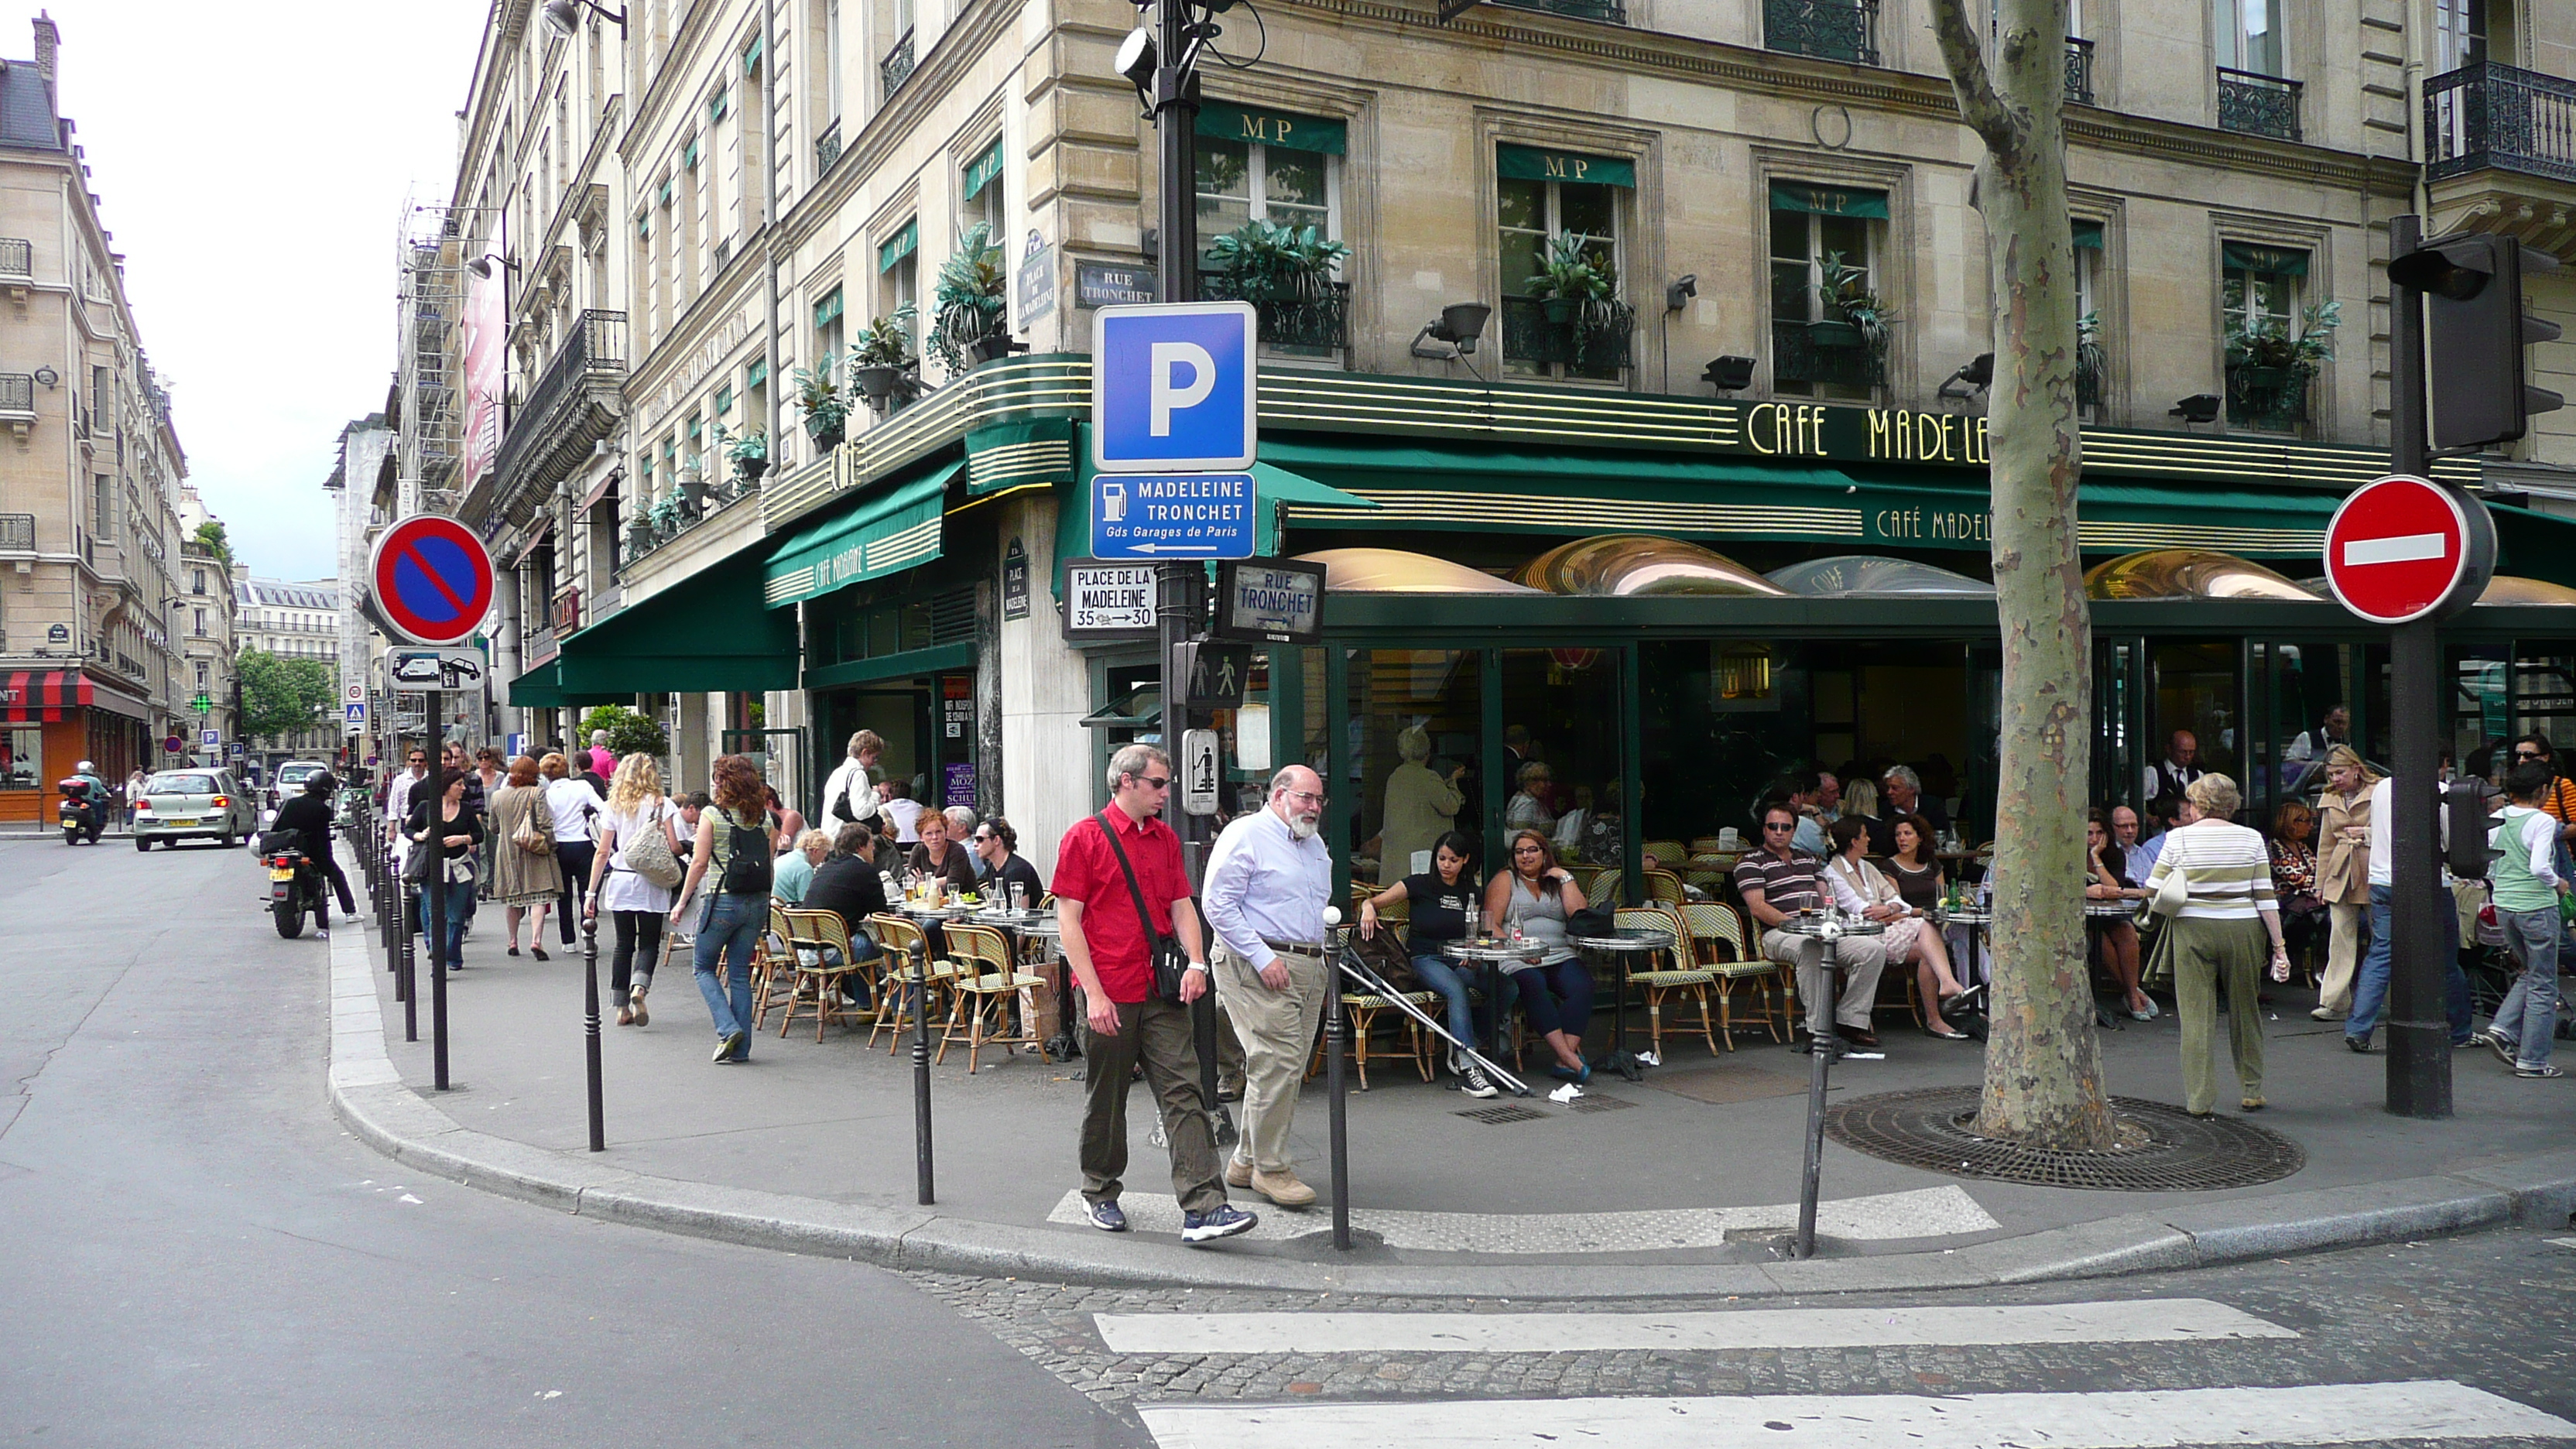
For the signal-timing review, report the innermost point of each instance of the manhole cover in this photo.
(2161, 1147)
(1599, 1104)
(1504, 1113)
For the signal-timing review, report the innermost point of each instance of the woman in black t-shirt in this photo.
(1443, 901)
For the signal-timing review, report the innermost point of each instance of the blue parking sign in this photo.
(1173, 388)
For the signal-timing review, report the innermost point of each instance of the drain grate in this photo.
(1504, 1113)
(2161, 1147)
(1599, 1104)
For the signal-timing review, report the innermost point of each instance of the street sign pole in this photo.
(2419, 1032)
(433, 908)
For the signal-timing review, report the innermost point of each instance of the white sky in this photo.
(251, 161)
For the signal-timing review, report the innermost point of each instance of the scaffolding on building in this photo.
(430, 261)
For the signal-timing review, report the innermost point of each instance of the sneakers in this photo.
(1282, 1188)
(1238, 1173)
(735, 1047)
(2494, 1041)
(2327, 1013)
(1222, 1221)
(2537, 1070)
(2357, 1043)
(1474, 1083)
(1107, 1216)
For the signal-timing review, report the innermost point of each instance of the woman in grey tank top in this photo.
(1556, 991)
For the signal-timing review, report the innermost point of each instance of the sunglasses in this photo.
(1779, 825)
(1154, 782)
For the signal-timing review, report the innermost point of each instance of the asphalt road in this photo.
(192, 1251)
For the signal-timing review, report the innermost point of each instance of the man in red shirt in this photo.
(1110, 951)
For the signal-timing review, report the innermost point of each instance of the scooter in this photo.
(82, 818)
(294, 885)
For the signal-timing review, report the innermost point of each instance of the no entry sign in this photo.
(2403, 547)
(430, 580)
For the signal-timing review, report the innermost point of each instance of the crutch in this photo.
(1375, 985)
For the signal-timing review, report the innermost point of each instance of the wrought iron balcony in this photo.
(1830, 354)
(897, 66)
(17, 259)
(827, 147)
(17, 397)
(1320, 325)
(2495, 117)
(1830, 29)
(18, 532)
(2258, 105)
(1595, 345)
(574, 404)
(1608, 12)
(2079, 71)
(2274, 399)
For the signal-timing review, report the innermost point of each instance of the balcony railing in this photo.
(565, 412)
(1317, 326)
(2079, 71)
(2494, 117)
(2274, 399)
(18, 532)
(1831, 29)
(1830, 354)
(896, 68)
(2258, 105)
(1598, 345)
(827, 147)
(17, 259)
(1609, 12)
(18, 396)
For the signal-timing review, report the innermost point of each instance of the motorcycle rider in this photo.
(311, 813)
(93, 799)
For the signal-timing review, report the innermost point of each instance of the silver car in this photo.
(203, 804)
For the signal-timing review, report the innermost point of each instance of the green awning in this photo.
(900, 245)
(1819, 200)
(2531, 544)
(985, 168)
(1529, 163)
(828, 311)
(689, 154)
(2088, 236)
(751, 57)
(1277, 128)
(2281, 261)
(892, 526)
(538, 689)
(709, 633)
(1018, 454)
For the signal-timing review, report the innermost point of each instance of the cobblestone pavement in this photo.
(2491, 1311)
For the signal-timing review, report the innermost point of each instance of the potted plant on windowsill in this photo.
(882, 359)
(748, 452)
(1278, 269)
(639, 534)
(970, 325)
(2268, 369)
(1855, 304)
(693, 486)
(1572, 286)
(819, 399)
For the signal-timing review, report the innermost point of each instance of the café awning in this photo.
(43, 696)
(891, 527)
(709, 633)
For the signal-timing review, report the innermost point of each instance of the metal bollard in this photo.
(921, 1072)
(406, 978)
(590, 1030)
(433, 918)
(1827, 1046)
(1337, 1040)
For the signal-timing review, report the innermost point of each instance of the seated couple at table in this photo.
(1778, 881)
(1537, 895)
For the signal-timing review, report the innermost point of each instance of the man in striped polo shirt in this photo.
(1776, 882)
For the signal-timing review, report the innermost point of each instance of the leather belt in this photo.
(1294, 948)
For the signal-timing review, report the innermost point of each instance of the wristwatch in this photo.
(1197, 966)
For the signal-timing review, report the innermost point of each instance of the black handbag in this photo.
(1170, 962)
(1591, 921)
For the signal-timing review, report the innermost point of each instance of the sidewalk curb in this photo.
(368, 1095)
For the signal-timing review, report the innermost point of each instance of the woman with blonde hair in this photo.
(2219, 937)
(2343, 875)
(635, 903)
(525, 875)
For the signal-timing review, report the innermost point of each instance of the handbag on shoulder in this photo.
(1170, 962)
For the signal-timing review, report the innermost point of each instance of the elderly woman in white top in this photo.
(2228, 916)
(1528, 807)
(1861, 889)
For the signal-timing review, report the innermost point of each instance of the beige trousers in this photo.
(2343, 952)
(1277, 1029)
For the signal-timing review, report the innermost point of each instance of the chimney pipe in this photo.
(48, 39)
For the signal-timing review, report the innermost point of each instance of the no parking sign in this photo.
(429, 580)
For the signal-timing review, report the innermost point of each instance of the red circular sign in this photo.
(431, 579)
(2397, 548)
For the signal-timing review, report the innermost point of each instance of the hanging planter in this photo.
(991, 347)
(693, 486)
(751, 468)
(972, 301)
(826, 409)
(876, 382)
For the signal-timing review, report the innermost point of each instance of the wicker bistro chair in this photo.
(983, 978)
(906, 946)
(773, 967)
(820, 956)
(1667, 853)
(1664, 888)
(1604, 890)
(1721, 947)
(1673, 975)
(1366, 1012)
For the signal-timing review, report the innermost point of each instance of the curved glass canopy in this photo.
(1860, 573)
(1394, 571)
(2188, 573)
(1618, 565)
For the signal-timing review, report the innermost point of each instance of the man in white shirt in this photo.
(855, 777)
(2370, 983)
(2161, 788)
(398, 799)
(2137, 857)
(902, 809)
(1267, 884)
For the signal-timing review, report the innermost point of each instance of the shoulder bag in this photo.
(649, 853)
(1169, 960)
(2169, 898)
(532, 838)
(841, 809)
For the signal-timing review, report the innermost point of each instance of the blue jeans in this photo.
(2370, 984)
(1556, 997)
(2529, 1016)
(728, 927)
(457, 904)
(1452, 982)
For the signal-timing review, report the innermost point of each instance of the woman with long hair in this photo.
(733, 846)
(524, 881)
(1862, 889)
(1442, 901)
(1539, 898)
(2106, 878)
(636, 806)
(2343, 875)
(443, 817)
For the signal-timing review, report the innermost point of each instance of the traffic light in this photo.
(2475, 331)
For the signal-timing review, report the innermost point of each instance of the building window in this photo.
(201, 623)
(2271, 358)
(1280, 171)
(201, 674)
(102, 497)
(980, 194)
(899, 271)
(196, 581)
(2092, 367)
(827, 326)
(2254, 93)
(1833, 29)
(755, 395)
(1562, 267)
(1828, 337)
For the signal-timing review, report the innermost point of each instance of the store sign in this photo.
(957, 784)
(1937, 527)
(1271, 600)
(1104, 599)
(956, 708)
(1859, 435)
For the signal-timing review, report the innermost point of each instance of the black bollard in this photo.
(433, 928)
(1203, 1031)
(1826, 1046)
(921, 1071)
(1337, 1039)
(590, 1030)
(407, 974)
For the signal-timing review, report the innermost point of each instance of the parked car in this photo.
(290, 779)
(201, 804)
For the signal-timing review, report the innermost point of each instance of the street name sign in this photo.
(1172, 515)
(2403, 547)
(1173, 388)
(1273, 600)
(1107, 599)
(429, 580)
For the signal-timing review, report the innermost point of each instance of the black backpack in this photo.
(748, 868)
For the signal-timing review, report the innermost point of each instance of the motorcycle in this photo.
(295, 886)
(82, 818)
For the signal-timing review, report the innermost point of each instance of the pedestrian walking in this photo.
(576, 808)
(2370, 983)
(2343, 874)
(632, 873)
(732, 847)
(1122, 899)
(134, 780)
(440, 815)
(602, 760)
(2524, 877)
(850, 791)
(1267, 885)
(2217, 941)
(527, 879)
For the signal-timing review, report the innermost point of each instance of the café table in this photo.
(1028, 928)
(1830, 927)
(1494, 952)
(1620, 946)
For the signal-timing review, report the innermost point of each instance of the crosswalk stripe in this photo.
(2151, 1320)
(2155, 1419)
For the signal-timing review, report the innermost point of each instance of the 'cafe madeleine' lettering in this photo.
(1822, 430)
(1926, 437)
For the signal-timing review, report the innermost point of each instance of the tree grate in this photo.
(2161, 1147)
(1504, 1113)
(1599, 1104)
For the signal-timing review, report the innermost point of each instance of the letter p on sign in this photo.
(1173, 388)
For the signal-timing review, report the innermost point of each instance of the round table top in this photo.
(1626, 938)
(1492, 950)
(2122, 909)
(937, 913)
(1817, 924)
(1967, 916)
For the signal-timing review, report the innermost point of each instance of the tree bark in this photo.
(2043, 1083)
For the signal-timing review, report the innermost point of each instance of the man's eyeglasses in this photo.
(1779, 825)
(1153, 782)
(1319, 800)
(2524, 757)
(982, 836)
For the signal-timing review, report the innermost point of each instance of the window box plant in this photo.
(1573, 285)
(882, 358)
(822, 403)
(2269, 369)
(1286, 273)
(748, 452)
(971, 325)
